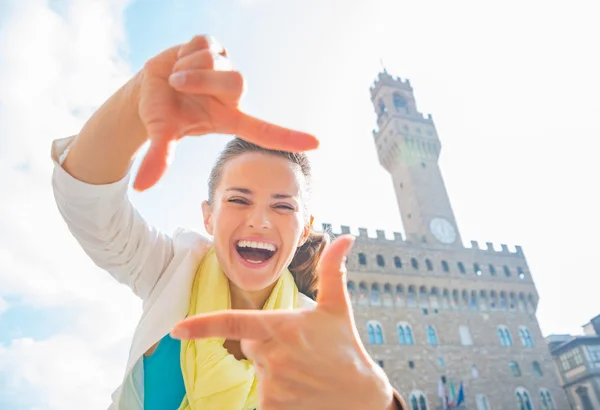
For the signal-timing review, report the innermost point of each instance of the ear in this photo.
(305, 232)
(207, 215)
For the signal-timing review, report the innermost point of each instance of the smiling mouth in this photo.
(255, 252)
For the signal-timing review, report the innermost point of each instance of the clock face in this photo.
(442, 230)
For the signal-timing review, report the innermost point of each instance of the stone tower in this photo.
(408, 148)
(430, 310)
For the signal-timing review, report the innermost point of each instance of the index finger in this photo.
(273, 136)
(232, 325)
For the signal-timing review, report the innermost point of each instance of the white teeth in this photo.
(258, 245)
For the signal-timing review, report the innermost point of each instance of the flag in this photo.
(451, 395)
(461, 395)
(442, 394)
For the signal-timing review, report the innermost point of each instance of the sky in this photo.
(512, 86)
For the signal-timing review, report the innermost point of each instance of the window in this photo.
(417, 401)
(362, 259)
(503, 300)
(473, 301)
(414, 263)
(523, 399)
(351, 288)
(461, 267)
(571, 359)
(382, 108)
(546, 400)
(492, 270)
(400, 103)
(477, 269)
(397, 262)
(594, 353)
(474, 371)
(506, 271)
(445, 266)
(441, 361)
(520, 273)
(375, 294)
(515, 370)
(525, 336)
(405, 336)
(537, 369)
(504, 336)
(380, 363)
(428, 264)
(431, 336)
(411, 364)
(380, 260)
(375, 333)
(584, 397)
(465, 336)
(482, 402)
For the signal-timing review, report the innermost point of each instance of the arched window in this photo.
(431, 336)
(482, 402)
(504, 336)
(400, 103)
(428, 264)
(397, 262)
(445, 299)
(477, 269)
(523, 399)
(515, 370)
(380, 260)
(455, 299)
(520, 273)
(375, 296)
(525, 336)
(445, 266)
(417, 400)
(382, 108)
(537, 369)
(493, 300)
(492, 270)
(546, 400)
(503, 300)
(506, 271)
(473, 301)
(405, 334)
(465, 299)
(362, 259)
(461, 267)
(412, 297)
(362, 293)
(399, 295)
(512, 298)
(423, 296)
(483, 300)
(375, 333)
(414, 263)
(388, 297)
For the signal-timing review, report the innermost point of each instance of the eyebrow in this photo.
(249, 192)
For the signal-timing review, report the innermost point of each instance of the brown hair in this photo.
(304, 263)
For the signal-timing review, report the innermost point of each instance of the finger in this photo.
(232, 324)
(273, 136)
(154, 164)
(221, 84)
(202, 59)
(200, 43)
(333, 295)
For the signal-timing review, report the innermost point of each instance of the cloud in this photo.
(58, 61)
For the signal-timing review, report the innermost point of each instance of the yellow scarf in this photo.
(215, 379)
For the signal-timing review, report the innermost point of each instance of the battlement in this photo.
(383, 79)
(396, 238)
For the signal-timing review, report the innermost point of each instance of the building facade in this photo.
(577, 362)
(430, 309)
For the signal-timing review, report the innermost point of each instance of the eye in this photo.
(285, 206)
(241, 201)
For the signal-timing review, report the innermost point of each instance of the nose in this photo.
(259, 218)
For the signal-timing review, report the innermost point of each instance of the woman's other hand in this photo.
(191, 90)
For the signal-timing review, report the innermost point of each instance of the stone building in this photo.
(427, 307)
(577, 360)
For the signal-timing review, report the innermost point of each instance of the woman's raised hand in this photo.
(191, 90)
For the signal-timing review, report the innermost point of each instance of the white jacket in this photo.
(158, 268)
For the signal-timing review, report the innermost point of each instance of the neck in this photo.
(241, 299)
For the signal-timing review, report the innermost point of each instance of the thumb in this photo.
(155, 163)
(332, 294)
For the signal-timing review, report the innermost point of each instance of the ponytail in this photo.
(304, 264)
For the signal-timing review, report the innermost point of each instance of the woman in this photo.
(254, 337)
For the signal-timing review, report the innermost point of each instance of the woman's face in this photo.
(257, 218)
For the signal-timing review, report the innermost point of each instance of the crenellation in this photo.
(398, 237)
(363, 233)
(345, 229)
(489, 246)
(474, 245)
(505, 248)
(380, 234)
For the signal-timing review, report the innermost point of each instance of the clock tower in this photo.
(408, 148)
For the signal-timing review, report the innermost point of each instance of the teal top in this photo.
(163, 381)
